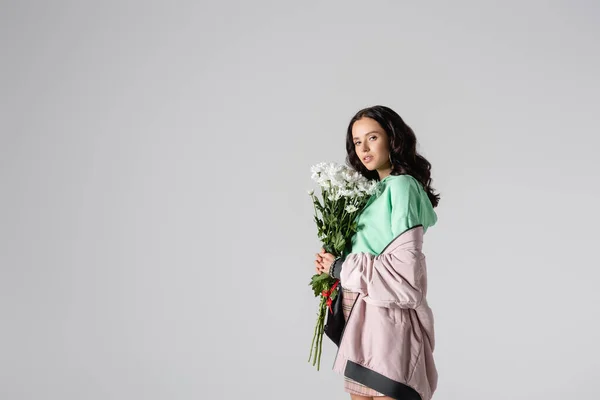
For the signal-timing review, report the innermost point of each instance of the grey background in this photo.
(156, 235)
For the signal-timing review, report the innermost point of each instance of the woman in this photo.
(386, 349)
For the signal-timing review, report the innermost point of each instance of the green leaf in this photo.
(340, 241)
(334, 294)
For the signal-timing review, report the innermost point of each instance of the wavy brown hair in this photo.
(403, 149)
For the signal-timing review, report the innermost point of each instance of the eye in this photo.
(373, 137)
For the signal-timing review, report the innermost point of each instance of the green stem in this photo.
(320, 348)
(314, 205)
(351, 220)
(314, 337)
(319, 330)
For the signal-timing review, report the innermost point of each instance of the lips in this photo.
(367, 158)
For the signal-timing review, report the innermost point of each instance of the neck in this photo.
(384, 173)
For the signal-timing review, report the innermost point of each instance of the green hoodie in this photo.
(400, 203)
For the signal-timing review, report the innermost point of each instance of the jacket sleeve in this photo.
(385, 280)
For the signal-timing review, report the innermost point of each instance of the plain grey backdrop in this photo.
(156, 236)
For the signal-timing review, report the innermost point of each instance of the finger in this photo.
(328, 259)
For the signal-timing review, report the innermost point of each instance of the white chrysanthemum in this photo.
(318, 172)
(338, 182)
(333, 169)
(318, 168)
(348, 193)
(342, 181)
(324, 182)
(369, 187)
(356, 177)
(351, 208)
(347, 175)
(311, 192)
(334, 195)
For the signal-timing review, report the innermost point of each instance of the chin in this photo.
(372, 166)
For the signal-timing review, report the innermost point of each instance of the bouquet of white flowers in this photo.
(345, 192)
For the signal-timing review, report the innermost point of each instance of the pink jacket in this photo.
(388, 340)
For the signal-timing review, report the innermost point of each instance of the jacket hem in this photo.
(380, 383)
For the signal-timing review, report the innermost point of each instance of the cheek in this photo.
(382, 149)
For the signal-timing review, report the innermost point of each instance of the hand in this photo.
(323, 262)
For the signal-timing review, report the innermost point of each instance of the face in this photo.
(372, 146)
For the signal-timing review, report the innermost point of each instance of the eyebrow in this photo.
(368, 133)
